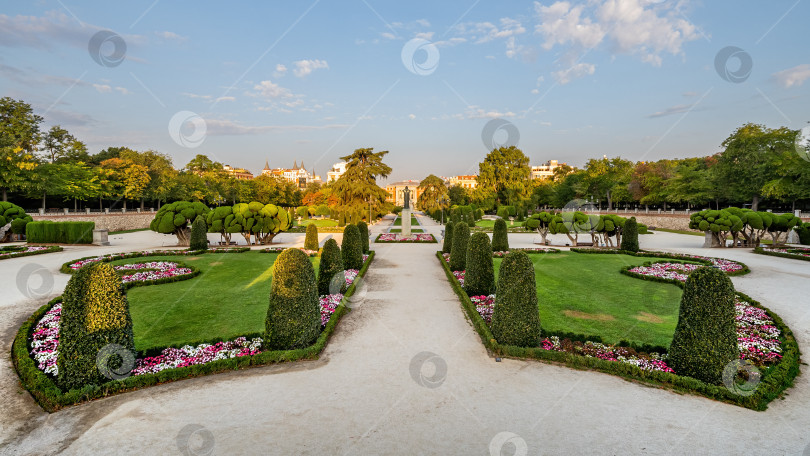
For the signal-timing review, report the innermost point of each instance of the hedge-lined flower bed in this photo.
(796, 253)
(762, 338)
(72, 266)
(310, 253)
(35, 350)
(412, 239)
(14, 251)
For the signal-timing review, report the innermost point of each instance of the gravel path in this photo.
(406, 374)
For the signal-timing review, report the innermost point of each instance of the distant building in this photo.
(468, 182)
(546, 170)
(337, 170)
(239, 173)
(396, 195)
(298, 175)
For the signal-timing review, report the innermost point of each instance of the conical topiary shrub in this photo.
(458, 251)
(705, 338)
(95, 321)
(363, 229)
(447, 242)
(311, 240)
(331, 264)
(480, 277)
(630, 235)
(500, 240)
(199, 238)
(351, 248)
(294, 314)
(516, 319)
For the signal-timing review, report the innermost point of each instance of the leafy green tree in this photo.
(458, 252)
(352, 248)
(705, 339)
(56, 143)
(649, 182)
(19, 138)
(458, 195)
(540, 222)
(693, 183)
(571, 224)
(198, 239)
(330, 265)
(264, 221)
(447, 242)
(506, 172)
(160, 170)
(630, 235)
(311, 239)
(130, 180)
(174, 218)
(293, 316)
(76, 181)
(357, 187)
(433, 194)
(11, 213)
(500, 238)
(607, 177)
(720, 224)
(362, 227)
(220, 220)
(480, 276)
(516, 318)
(606, 227)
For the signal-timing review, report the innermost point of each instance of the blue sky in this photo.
(311, 81)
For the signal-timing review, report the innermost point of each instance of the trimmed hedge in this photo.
(15, 254)
(364, 236)
(50, 232)
(294, 314)
(447, 242)
(331, 264)
(458, 251)
(773, 383)
(480, 277)
(199, 239)
(351, 248)
(630, 235)
(11, 213)
(762, 251)
(516, 318)
(500, 240)
(95, 319)
(311, 239)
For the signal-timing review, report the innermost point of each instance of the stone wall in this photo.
(111, 222)
(667, 221)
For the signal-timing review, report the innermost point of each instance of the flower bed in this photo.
(412, 239)
(14, 251)
(796, 253)
(530, 250)
(310, 253)
(152, 271)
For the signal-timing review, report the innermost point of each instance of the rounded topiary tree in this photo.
(311, 240)
(294, 315)
(500, 240)
(447, 242)
(174, 218)
(95, 320)
(363, 229)
(351, 248)
(331, 264)
(458, 251)
(516, 319)
(705, 338)
(11, 213)
(630, 235)
(480, 277)
(199, 239)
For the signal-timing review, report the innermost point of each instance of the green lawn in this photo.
(586, 294)
(491, 224)
(229, 298)
(318, 222)
(398, 221)
(413, 230)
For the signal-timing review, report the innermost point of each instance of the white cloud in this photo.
(576, 71)
(224, 99)
(305, 67)
(636, 27)
(281, 70)
(678, 109)
(483, 32)
(269, 89)
(170, 36)
(388, 35)
(793, 76)
(423, 22)
(411, 116)
(475, 112)
(194, 95)
(52, 28)
(535, 91)
(102, 88)
(424, 35)
(123, 90)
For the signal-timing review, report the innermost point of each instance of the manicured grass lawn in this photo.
(491, 223)
(318, 222)
(229, 298)
(413, 230)
(586, 294)
(398, 221)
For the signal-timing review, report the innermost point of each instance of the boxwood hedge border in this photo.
(792, 256)
(774, 381)
(48, 395)
(50, 249)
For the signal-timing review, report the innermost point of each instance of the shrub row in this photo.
(50, 232)
(49, 249)
(48, 395)
(762, 251)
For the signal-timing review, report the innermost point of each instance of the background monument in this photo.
(406, 212)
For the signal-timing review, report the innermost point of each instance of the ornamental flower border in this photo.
(29, 250)
(775, 380)
(795, 253)
(71, 266)
(416, 238)
(48, 395)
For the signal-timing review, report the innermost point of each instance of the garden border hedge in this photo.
(774, 381)
(792, 256)
(45, 392)
(49, 249)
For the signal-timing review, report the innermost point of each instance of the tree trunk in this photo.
(75, 205)
(573, 239)
(755, 203)
(100, 204)
(5, 195)
(182, 236)
(44, 194)
(141, 204)
(610, 201)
